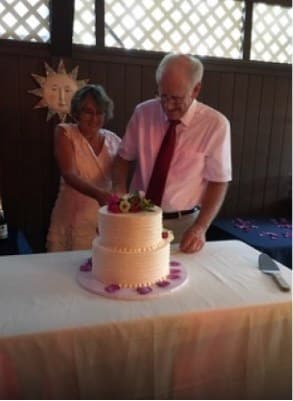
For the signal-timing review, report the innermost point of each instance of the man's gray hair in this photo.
(194, 67)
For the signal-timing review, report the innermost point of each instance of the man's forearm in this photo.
(211, 203)
(120, 172)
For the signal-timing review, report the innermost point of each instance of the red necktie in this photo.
(161, 167)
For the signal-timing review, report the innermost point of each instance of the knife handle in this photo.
(281, 281)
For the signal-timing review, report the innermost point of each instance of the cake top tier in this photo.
(132, 202)
(130, 223)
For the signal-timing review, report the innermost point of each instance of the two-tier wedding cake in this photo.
(132, 248)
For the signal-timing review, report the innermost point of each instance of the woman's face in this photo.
(91, 117)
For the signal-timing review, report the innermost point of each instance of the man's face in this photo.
(176, 93)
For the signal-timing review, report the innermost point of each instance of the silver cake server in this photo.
(268, 266)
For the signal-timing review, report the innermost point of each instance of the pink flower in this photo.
(114, 208)
(135, 206)
(132, 202)
(113, 198)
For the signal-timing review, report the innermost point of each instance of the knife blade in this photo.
(268, 266)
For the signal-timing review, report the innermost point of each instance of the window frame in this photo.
(61, 26)
(100, 31)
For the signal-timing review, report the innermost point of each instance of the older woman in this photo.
(84, 152)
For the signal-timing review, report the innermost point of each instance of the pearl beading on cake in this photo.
(131, 250)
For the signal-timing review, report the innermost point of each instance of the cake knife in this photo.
(268, 266)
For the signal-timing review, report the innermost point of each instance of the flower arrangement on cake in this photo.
(133, 202)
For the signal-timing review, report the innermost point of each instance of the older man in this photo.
(182, 152)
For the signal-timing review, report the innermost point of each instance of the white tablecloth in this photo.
(225, 334)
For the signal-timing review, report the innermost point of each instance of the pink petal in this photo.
(112, 288)
(174, 263)
(144, 290)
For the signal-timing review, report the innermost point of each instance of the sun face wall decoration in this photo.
(56, 90)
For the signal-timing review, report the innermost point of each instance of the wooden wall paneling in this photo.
(246, 172)
(285, 168)
(275, 145)
(210, 89)
(149, 85)
(115, 87)
(225, 95)
(262, 144)
(10, 146)
(237, 130)
(83, 67)
(225, 106)
(33, 126)
(133, 87)
(97, 73)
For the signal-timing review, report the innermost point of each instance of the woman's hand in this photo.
(193, 239)
(102, 196)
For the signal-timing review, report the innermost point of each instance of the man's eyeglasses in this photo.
(178, 100)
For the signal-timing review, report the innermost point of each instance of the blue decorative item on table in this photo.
(270, 235)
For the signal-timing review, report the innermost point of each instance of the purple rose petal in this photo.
(175, 263)
(174, 276)
(163, 283)
(245, 225)
(175, 271)
(112, 288)
(269, 234)
(87, 266)
(144, 290)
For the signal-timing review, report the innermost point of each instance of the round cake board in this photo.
(175, 280)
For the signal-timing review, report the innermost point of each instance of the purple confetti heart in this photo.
(112, 288)
(87, 266)
(144, 290)
(163, 283)
(174, 276)
(175, 263)
(175, 271)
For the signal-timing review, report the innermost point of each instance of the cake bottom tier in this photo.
(130, 269)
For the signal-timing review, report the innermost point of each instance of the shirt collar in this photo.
(188, 116)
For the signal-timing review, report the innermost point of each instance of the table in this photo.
(270, 235)
(225, 335)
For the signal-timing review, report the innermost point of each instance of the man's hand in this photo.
(193, 239)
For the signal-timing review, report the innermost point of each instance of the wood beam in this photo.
(61, 27)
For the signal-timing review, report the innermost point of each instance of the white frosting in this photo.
(130, 230)
(130, 269)
(130, 250)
